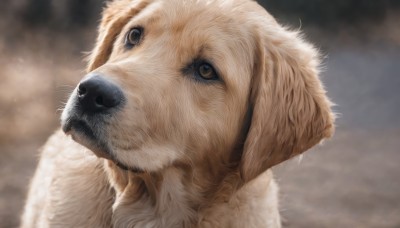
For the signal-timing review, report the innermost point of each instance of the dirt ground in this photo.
(351, 181)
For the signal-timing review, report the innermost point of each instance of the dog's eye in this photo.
(133, 37)
(206, 72)
(202, 71)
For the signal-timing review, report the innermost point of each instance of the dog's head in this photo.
(174, 81)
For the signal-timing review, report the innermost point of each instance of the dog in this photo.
(186, 106)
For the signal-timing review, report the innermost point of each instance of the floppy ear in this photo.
(290, 110)
(115, 16)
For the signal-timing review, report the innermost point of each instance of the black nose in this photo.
(97, 94)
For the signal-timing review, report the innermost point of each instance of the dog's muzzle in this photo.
(90, 110)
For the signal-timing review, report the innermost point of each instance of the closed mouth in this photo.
(82, 133)
(75, 124)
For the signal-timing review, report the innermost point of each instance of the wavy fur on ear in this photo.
(291, 112)
(111, 25)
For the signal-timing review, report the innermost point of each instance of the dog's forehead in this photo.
(178, 13)
(202, 24)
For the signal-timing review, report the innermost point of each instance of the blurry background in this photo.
(353, 180)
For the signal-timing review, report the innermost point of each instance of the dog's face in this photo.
(175, 81)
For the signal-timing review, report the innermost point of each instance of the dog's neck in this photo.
(175, 196)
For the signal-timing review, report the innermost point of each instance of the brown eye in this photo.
(202, 71)
(133, 37)
(206, 71)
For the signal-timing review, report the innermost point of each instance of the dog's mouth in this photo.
(82, 133)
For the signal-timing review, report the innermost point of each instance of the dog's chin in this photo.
(81, 133)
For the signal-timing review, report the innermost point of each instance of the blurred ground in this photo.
(351, 181)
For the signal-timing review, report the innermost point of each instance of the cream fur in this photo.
(205, 149)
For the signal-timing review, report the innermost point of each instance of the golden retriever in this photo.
(186, 106)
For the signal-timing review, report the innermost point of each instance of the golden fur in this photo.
(205, 148)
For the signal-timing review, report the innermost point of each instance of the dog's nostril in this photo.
(81, 90)
(99, 101)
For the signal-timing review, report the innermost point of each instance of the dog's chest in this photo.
(144, 214)
(172, 207)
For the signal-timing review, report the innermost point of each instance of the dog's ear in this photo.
(115, 16)
(290, 110)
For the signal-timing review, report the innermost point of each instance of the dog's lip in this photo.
(81, 133)
(66, 127)
(76, 125)
(79, 124)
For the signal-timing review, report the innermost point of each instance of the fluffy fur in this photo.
(204, 149)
